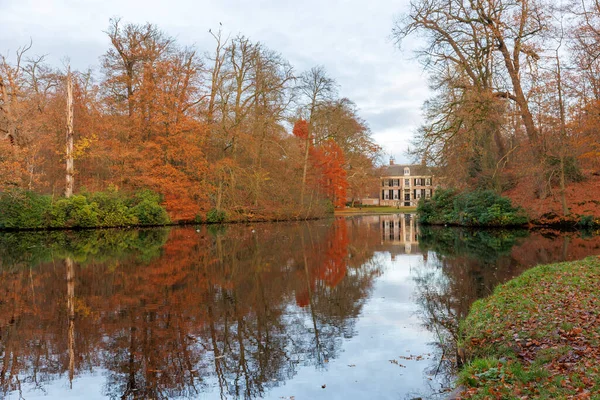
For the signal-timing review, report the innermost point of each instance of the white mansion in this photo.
(405, 185)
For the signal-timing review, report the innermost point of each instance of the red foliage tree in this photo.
(301, 129)
(328, 162)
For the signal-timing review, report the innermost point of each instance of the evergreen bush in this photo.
(476, 208)
(215, 216)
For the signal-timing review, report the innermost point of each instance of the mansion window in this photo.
(406, 171)
(407, 182)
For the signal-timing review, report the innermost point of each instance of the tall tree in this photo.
(316, 88)
(69, 137)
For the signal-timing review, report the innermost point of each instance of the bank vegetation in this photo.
(228, 133)
(516, 99)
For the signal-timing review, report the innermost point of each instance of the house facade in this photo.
(405, 185)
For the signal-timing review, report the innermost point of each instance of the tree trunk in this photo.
(563, 137)
(305, 168)
(69, 151)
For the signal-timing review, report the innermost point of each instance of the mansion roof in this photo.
(398, 170)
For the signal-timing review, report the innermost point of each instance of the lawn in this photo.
(374, 210)
(537, 336)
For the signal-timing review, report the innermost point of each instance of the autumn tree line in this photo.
(516, 88)
(210, 132)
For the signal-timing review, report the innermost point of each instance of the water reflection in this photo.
(250, 311)
(465, 265)
(164, 312)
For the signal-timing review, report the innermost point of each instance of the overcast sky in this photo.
(350, 38)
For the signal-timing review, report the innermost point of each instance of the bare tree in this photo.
(316, 88)
(133, 46)
(466, 35)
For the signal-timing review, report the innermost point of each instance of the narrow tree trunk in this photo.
(69, 152)
(563, 137)
(305, 169)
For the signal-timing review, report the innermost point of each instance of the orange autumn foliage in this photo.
(206, 135)
(333, 269)
(300, 129)
(330, 176)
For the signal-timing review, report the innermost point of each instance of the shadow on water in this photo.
(248, 311)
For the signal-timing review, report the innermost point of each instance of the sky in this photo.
(350, 38)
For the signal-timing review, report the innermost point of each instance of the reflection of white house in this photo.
(400, 229)
(405, 185)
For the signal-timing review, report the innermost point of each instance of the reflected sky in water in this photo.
(349, 308)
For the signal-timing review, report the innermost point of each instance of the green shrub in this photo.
(587, 221)
(150, 213)
(22, 209)
(73, 212)
(148, 210)
(215, 216)
(113, 208)
(477, 208)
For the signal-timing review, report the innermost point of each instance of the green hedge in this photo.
(111, 208)
(477, 208)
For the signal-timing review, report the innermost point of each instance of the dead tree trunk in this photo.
(69, 152)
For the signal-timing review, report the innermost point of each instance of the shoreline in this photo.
(537, 335)
(531, 226)
(172, 224)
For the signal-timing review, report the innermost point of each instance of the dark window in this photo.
(382, 194)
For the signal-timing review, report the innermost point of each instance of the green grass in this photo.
(375, 210)
(536, 336)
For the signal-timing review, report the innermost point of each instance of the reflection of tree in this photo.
(484, 245)
(30, 249)
(333, 295)
(168, 320)
(466, 265)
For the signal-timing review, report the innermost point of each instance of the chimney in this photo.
(392, 160)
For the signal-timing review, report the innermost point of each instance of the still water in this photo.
(351, 308)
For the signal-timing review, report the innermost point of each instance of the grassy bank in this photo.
(374, 210)
(537, 336)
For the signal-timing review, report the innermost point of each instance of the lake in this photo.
(347, 308)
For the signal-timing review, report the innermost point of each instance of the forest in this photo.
(516, 98)
(233, 132)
